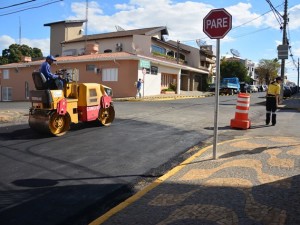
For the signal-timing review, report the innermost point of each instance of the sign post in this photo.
(144, 71)
(216, 24)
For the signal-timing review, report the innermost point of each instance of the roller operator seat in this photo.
(39, 80)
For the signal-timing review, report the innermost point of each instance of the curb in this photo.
(160, 98)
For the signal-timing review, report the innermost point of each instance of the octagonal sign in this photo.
(217, 23)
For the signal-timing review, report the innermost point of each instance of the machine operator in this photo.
(53, 80)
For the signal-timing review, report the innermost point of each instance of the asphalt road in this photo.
(75, 178)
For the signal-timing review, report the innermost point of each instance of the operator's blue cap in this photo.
(51, 57)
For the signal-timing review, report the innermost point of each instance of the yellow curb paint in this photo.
(158, 181)
(151, 186)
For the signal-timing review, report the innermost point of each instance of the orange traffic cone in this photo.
(241, 112)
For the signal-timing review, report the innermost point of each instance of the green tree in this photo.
(15, 52)
(267, 70)
(3, 60)
(233, 69)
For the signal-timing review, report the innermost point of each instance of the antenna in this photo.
(86, 20)
(20, 30)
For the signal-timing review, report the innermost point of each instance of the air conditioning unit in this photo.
(119, 47)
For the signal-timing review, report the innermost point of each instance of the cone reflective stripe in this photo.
(241, 112)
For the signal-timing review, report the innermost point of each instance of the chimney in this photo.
(25, 59)
(92, 49)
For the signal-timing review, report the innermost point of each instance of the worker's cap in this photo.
(51, 58)
(278, 78)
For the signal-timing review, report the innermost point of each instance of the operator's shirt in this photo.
(45, 69)
(274, 89)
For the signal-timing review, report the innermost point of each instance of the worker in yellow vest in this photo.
(272, 100)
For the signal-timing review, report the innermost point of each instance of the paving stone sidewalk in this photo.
(254, 181)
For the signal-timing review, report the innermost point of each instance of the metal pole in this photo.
(298, 77)
(284, 42)
(217, 83)
(177, 59)
(143, 83)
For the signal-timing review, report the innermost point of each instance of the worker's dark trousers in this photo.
(271, 108)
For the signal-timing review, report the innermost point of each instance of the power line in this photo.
(33, 7)
(243, 25)
(277, 15)
(17, 4)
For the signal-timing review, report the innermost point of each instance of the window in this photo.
(171, 53)
(93, 95)
(158, 49)
(181, 56)
(110, 74)
(5, 74)
(90, 68)
(7, 93)
(93, 92)
(154, 70)
(107, 51)
(26, 90)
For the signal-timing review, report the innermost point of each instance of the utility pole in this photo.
(284, 42)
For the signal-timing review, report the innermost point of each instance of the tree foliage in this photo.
(267, 70)
(233, 69)
(15, 52)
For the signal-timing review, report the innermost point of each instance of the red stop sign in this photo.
(217, 23)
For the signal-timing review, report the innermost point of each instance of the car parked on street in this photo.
(252, 89)
(287, 92)
(261, 88)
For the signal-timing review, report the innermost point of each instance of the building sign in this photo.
(145, 64)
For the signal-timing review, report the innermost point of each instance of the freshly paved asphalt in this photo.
(254, 180)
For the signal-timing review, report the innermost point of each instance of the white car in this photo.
(252, 89)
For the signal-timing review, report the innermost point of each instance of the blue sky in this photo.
(255, 35)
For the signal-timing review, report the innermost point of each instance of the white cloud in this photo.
(43, 44)
(186, 25)
(5, 42)
(294, 19)
(123, 7)
(242, 15)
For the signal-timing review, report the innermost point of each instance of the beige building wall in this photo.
(142, 44)
(57, 34)
(124, 87)
(104, 44)
(63, 31)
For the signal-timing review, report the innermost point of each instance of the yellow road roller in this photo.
(52, 111)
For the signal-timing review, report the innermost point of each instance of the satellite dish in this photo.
(118, 28)
(200, 43)
(135, 48)
(235, 52)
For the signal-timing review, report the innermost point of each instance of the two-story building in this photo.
(115, 59)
